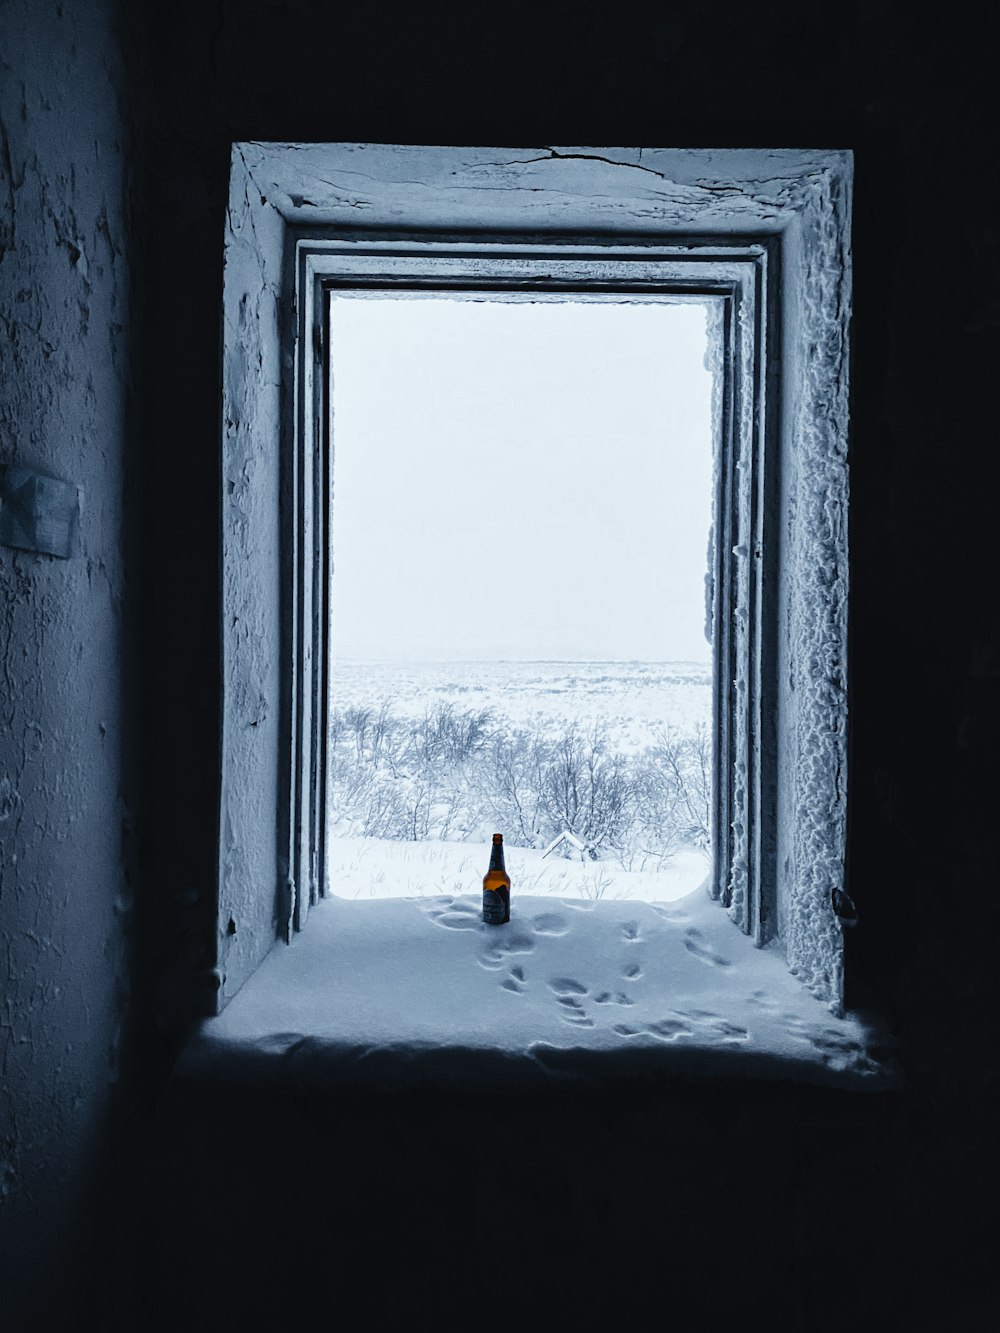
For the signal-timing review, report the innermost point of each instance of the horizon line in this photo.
(552, 661)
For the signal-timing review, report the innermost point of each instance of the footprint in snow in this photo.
(696, 944)
(631, 933)
(568, 995)
(515, 981)
(607, 997)
(832, 1042)
(731, 1030)
(667, 1029)
(715, 1022)
(669, 914)
(516, 942)
(550, 923)
(566, 986)
(456, 921)
(455, 915)
(633, 971)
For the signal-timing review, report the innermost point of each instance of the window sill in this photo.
(418, 991)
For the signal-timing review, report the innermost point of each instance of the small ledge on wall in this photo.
(419, 991)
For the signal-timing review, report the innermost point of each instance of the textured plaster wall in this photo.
(65, 809)
(250, 878)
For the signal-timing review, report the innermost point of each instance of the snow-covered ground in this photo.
(383, 868)
(629, 698)
(420, 989)
(601, 970)
(634, 703)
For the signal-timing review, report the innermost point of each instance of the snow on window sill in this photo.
(421, 991)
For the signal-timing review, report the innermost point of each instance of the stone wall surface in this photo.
(66, 812)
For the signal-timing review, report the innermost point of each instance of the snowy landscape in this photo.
(611, 962)
(420, 990)
(609, 761)
(529, 486)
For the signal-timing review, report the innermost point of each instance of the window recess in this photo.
(763, 236)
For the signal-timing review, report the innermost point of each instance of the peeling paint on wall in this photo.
(65, 900)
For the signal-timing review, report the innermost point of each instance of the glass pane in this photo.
(521, 512)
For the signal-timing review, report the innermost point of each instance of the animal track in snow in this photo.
(728, 1029)
(455, 915)
(696, 944)
(566, 986)
(550, 923)
(631, 932)
(633, 971)
(832, 1042)
(493, 958)
(840, 1051)
(517, 942)
(670, 914)
(715, 1021)
(606, 997)
(515, 982)
(667, 1029)
(455, 920)
(568, 995)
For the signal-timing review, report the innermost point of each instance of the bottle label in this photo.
(494, 913)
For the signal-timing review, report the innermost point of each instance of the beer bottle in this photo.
(496, 887)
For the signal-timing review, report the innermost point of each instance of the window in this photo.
(763, 237)
(521, 495)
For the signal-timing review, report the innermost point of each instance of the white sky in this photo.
(520, 480)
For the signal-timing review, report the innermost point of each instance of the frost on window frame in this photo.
(771, 228)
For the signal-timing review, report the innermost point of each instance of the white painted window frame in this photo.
(765, 237)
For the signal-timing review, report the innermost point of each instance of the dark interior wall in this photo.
(883, 1190)
(910, 94)
(66, 804)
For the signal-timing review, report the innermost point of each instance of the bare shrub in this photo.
(586, 790)
(455, 771)
(509, 785)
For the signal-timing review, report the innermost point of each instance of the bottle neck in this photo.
(496, 857)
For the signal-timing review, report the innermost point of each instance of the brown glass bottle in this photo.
(496, 887)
